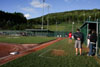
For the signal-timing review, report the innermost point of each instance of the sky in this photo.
(34, 8)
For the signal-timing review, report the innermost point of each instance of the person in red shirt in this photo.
(70, 35)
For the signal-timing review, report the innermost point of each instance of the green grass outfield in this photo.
(25, 40)
(67, 27)
(45, 58)
(64, 26)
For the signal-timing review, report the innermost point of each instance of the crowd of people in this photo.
(79, 38)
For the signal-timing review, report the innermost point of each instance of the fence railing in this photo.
(33, 33)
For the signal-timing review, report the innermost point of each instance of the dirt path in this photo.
(6, 48)
(23, 49)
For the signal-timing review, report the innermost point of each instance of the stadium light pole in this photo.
(56, 26)
(95, 16)
(72, 26)
(43, 15)
(84, 17)
(48, 17)
(89, 18)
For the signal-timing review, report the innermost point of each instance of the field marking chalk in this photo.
(41, 55)
(44, 52)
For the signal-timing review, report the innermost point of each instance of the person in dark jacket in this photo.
(92, 44)
(78, 41)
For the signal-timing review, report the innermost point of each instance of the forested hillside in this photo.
(12, 20)
(17, 21)
(69, 16)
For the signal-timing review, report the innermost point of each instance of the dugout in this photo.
(91, 25)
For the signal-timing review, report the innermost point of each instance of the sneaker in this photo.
(76, 54)
(89, 55)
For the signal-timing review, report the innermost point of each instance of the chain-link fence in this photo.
(33, 33)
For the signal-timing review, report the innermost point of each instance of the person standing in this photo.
(78, 41)
(92, 44)
(70, 35)
(66, 34)
(88, 39)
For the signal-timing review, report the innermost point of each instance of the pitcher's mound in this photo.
(56, 52)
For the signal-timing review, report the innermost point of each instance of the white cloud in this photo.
(27, 15)
(32, 7)
(38, 4)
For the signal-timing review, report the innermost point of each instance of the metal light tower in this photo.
(48, 17)
(95, 16)
(72, 26)
(89, 18)
(56, 26)
(84, 17)
(43, 15)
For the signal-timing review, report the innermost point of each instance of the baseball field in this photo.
(58, 54)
